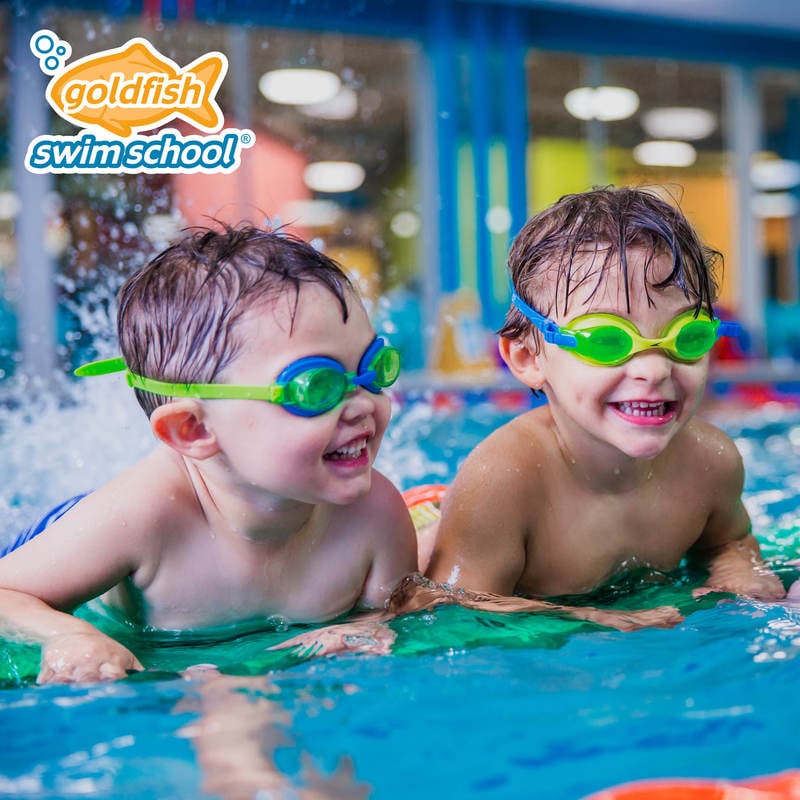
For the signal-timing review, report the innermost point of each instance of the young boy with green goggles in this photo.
(256, 363)
(612, 318)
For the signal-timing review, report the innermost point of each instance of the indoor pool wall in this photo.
(470, 704)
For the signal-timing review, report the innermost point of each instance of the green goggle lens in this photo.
(603, 345)
(318, 389)
(608, 340)
(386, 366)
(695, 339)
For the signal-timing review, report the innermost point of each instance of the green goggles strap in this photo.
(307, 387)
(199, 391)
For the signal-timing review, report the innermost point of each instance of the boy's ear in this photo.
(523, 361)
(179, 424)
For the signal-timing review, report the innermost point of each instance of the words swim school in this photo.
(168, 151)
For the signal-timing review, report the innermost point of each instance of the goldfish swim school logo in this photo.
(115, 94)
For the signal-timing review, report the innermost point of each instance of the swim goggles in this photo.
(307, 387)
(608, 340)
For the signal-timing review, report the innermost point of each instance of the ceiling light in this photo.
(665, 154)
(161, 229)
(343, 105)
(312, 213)
(405, 224)
(299, 87)
(10, 204)
(775, 174)
(677, 122)
(498, 219)
(334, 176)
(774, 205)
(605, 103)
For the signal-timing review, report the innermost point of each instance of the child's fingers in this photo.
(310, 651)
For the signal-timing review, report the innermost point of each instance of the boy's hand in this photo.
(759, 587)
(416, 592)
(349, 637)
(658, 617)
(738, 567)
(85, 657)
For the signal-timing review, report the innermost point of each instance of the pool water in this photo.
(470, 705)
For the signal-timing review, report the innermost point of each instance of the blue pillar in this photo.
(515, 117)
(35, 267)
(480, 111)
(443, 59)
(744, 126)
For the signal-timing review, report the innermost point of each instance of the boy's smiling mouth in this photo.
(353, 451)
(646, 412)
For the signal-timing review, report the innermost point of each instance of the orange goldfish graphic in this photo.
(133, 88)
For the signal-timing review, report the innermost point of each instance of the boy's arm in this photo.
(72, 649)
(727, 546)
(393, 543)
(481, 542)
(78, 557)
(416, 593)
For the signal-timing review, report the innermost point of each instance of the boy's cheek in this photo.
(383, 414)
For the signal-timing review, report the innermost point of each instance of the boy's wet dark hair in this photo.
(178, 314)
(596, 229)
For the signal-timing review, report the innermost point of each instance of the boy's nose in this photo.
(652, 366)
(358, 404)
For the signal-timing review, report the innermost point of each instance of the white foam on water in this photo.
(64, 440)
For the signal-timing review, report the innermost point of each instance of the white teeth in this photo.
(638, 408)
(352, 451)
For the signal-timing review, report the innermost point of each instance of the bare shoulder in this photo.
(508, 460)
(378, 529)
(500, 481)
(111, 533)
(706, 449)
(150, 497)
(152, 485)
(383, 503)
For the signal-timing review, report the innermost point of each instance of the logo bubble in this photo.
(51, 51)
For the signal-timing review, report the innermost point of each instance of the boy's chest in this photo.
(211, 582)
(576, 547)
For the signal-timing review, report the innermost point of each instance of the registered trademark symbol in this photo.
(245, 138)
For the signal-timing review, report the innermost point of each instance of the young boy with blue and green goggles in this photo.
(262, 378)
(611, 318)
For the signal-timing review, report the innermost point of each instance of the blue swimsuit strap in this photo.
(48, 519)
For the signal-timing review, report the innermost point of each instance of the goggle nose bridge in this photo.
(365, 378)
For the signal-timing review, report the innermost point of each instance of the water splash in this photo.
(63, 440)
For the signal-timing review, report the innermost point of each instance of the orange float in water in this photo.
(423, 503)
(783, 786)
(426, 493)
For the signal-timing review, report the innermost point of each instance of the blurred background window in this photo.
(409, 141)
(331, 163)
(653, 122)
